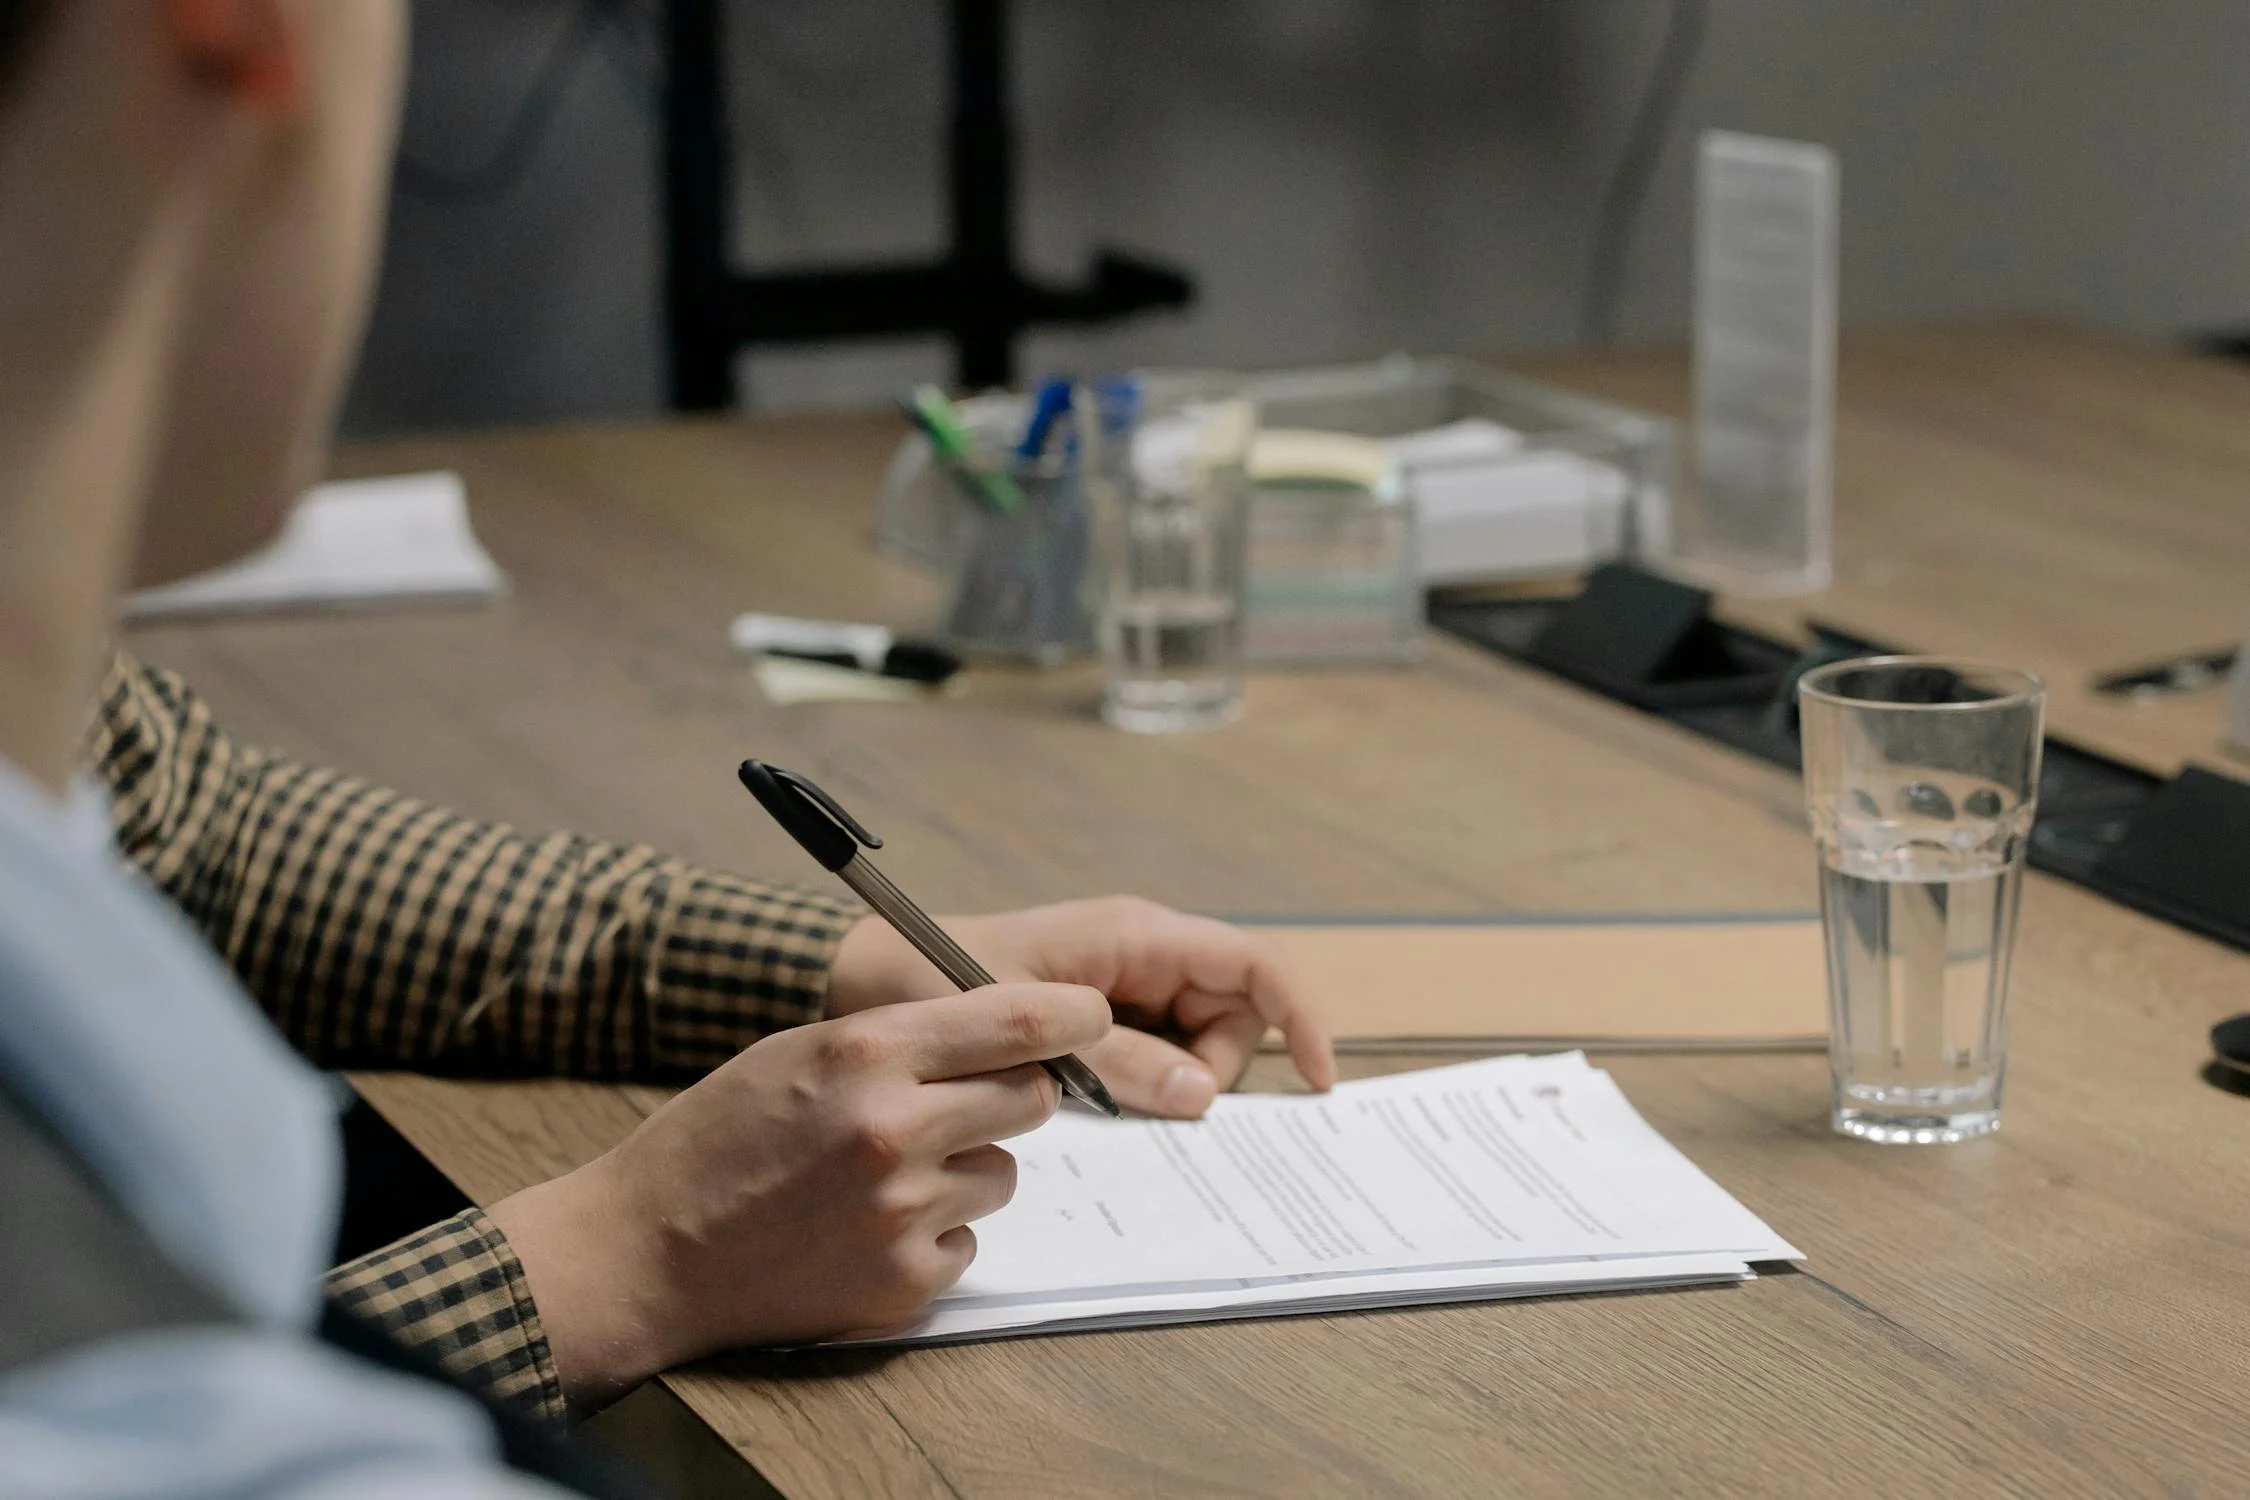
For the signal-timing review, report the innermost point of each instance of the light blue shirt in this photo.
(121, 1029)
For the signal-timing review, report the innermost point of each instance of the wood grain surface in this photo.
(2058, 1310)
(2033, 493)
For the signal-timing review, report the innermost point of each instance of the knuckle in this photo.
(1133, 918)
(1264, 951)
(879, 1140)
(917, 1274)
(854, 1045)
(1041, 1094)
(1087, 1015)
(897, 1209)
(1124, 909)
(1004, 1174)
(1029, 1023)
(929, 1267)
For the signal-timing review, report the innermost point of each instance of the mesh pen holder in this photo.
(1020, 576)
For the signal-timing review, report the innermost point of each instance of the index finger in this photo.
(995, 1028)
(1181, 952)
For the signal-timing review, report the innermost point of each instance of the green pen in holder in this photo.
(1019, 548)
(1019, 576)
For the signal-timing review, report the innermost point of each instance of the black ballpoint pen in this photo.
(833, 837)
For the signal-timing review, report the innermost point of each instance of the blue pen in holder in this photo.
(1020, 575)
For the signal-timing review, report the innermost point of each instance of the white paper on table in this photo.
(1467, 440)
(1464, 1165)
(1503, 1177)
(788, 679)
(1532, 513)
(1626, 1151)
(354, 542)
(1573, 1061)
(1128, 1307)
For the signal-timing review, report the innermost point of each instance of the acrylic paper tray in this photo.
(1404, 394)
(921, 517)
(1381, 398)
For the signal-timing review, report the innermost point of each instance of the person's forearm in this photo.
(378, 930)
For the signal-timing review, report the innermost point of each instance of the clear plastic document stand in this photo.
(1756, 519)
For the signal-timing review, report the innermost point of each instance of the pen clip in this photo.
(813, 818)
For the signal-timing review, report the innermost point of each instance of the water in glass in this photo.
(1920, 901)
(1173, 659)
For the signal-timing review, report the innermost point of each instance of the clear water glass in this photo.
(1166, 477)
(1922, 777)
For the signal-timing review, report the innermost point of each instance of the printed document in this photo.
(1508, 1177)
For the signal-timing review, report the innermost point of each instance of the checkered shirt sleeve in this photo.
(456, 1293)
(379, 931)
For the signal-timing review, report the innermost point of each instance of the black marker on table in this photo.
(833, 837)
(870, 648)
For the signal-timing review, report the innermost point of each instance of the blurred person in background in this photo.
(190, 201)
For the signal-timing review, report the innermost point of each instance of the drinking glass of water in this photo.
(1165, 470)
(1922, 776)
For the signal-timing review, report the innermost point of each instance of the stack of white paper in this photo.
(1487, 507)
(350, 543)
(1512, 1177)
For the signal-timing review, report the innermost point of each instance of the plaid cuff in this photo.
(455, 1292)
(736, 960)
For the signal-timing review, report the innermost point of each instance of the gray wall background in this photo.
(1343, 177)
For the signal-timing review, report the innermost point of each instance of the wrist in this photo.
(597, 1281)
(875, 966)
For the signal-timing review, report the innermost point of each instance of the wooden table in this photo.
(2035, 494)
(2057, 1310)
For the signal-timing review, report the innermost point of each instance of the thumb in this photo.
(1151, 1075)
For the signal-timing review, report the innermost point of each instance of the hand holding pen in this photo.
(844, 1161)
(818, 1184)
(1196, 995)
(834, 838)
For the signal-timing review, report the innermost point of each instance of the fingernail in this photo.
(1188, 1090)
